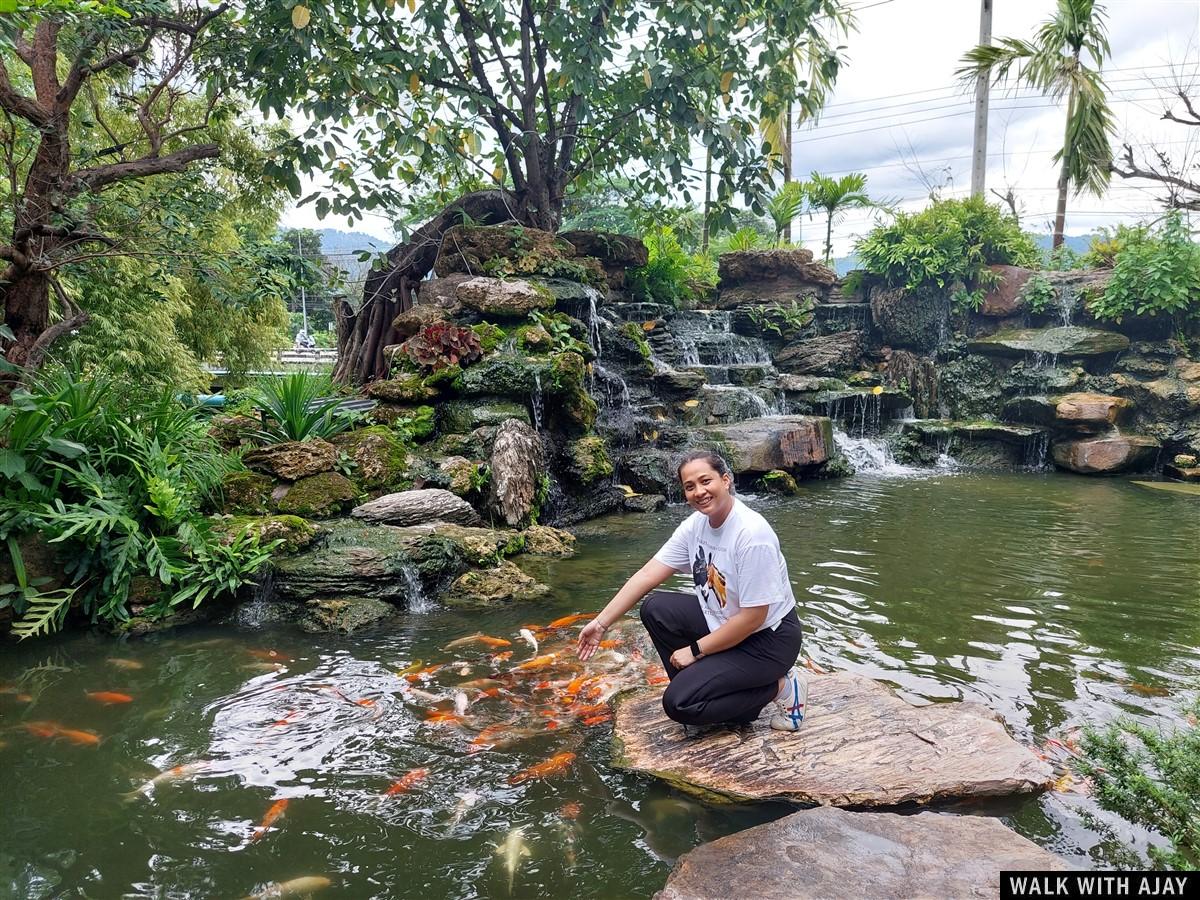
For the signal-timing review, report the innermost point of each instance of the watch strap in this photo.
(695, 648)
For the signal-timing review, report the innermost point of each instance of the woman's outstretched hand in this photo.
(589, 638)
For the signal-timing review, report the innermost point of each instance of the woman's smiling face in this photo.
(705, 490)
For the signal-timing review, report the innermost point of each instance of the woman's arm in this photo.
(735, 630)
(642, 582)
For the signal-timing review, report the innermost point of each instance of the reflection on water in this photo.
(1052, 600)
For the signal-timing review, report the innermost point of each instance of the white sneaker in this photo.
(791, 702)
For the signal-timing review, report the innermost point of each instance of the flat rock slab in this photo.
(832, 853)
(862, 746)
(1070, 341)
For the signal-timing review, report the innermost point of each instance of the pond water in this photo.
(1054, 600)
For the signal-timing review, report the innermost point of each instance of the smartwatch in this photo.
(695, 648)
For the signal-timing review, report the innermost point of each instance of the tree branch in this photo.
(1132, 170)
(95, 178)
(18, 104)
(73, 318)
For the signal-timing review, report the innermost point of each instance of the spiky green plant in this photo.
(299, 406)
(834, 196)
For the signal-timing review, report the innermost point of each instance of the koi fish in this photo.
(127, 665)
(490, 692)
(655, 675)
(465, 802)
(108, 697)
(264, 667)
(42, 729)
(813, 667)
(527, 636)
(567, 621)
(77, 736)
(406, 782)
(482, 683)
(501, 657)
(414, 666)
(597, 720)
(24, 698)
(423, 674)
(288, 718)
(168, 776)
(294, 887)
(538, 662)
(273, 813)
(595, 709)
(272, 655)
(609, 645)
(478, 638)
(555, 765)
(570, 837)
(441, 716)
(570, 810)
(423, 696)
(511, 852)
(365, 701)
(460, 703)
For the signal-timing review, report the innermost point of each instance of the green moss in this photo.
(408, 389)
(514, 545)
(247, 493)
(589, 459)
(319, 496)
(445, 381)
(635, 333)
(378, 455)
(780, 482)
(419, 424)
(490, 336)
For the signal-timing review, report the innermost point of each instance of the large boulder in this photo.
(417, 507)
(1107, 455)
(1004, 299)
(246, 493)
(505, 583)
(407, 389)
(344, 614)
(511, 250)
(862, 746)
(377, 453)
(293, 460)
(542, 540)
(616, 252)
(493, 298)
(915, 320)
(231, 432)
(1090, 412)
(827, 354)
(751, 277)
(319, 496)
(1069, 342)
(758, 446)
(517, 467)
(826, 852)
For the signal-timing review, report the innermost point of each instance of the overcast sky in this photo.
(898, 115)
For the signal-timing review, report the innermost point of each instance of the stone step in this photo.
(861, 746)
(1068, 342)
(828, 852)
(744, 374)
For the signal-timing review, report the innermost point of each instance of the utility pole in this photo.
(303, 300)
(979, 157)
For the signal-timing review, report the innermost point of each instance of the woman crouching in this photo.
(731, 649)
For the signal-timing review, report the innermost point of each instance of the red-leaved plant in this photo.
(442, 344)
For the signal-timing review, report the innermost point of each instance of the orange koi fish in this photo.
(482, 683)
(490, 692)
(24, 698)
(273, 813)
(76, 736)
(478, 638)
(573, 688)
(287, 719)
(406, 782)
(570, 810)
(566, 621)
(555, 765)
(440, 716)
(596, 709)
(609, 645)
(365, 701)
(597, 720)
(108, 697)
(501, 657)
(538, 662)
(271, 655)
(423, 674)
(42, 729)
(656, 675)
(552, 724)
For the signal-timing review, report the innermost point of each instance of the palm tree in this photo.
(835, 196)
(784, 205)
(1054, 63)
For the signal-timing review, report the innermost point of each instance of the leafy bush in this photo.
(785, 321)
(952, 241)
(442, 344)
(558, 328)
(1153, 274)
(299, 406)
(1038, 293)
(1105, 246)
(120, 482)
(672, 275)
(1151, 778)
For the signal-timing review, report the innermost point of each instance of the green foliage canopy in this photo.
(527, 95)
(1154, 273)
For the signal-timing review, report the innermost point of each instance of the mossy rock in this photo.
(490, 587)
(490, 336)
(542, 540)
(446, 381)
(406, 389)
(344, 614)
(319, 496)
(378, 454)
(295, 532)
(588, 459)
(461, 416)
(637, 335)
(246, 493)
(463, 476)
(778, 481)
(418, 422)
(507, 376)
(231, 432)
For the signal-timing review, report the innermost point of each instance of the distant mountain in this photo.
(334, 240)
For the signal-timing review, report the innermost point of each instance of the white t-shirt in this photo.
(736, 565)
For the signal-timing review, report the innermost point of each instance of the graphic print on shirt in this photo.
(708, 578)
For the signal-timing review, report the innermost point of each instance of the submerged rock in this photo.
(488, 587)
(344, 614)
(1107, 455)
(828, 852)
(417, 507)
(293, 460)
(517, 467)
(643, 503)
(757, 446)
(861, 746)
(1068, 342)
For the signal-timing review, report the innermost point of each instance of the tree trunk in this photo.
(363, 334)
(1064, 178)
(26, 311)
(787, 163)
(829, 237)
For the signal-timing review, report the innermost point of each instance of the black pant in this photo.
(730, 686)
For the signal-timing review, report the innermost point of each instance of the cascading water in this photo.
(537, 402)
(418, 602)
(873, 456)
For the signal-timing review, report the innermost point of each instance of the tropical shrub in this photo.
(1153, 274)
(1038, 293)
(442, 344)
(672, 276)
(299, 406)
(120, 482)
(1152, 778)
(951, 242)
